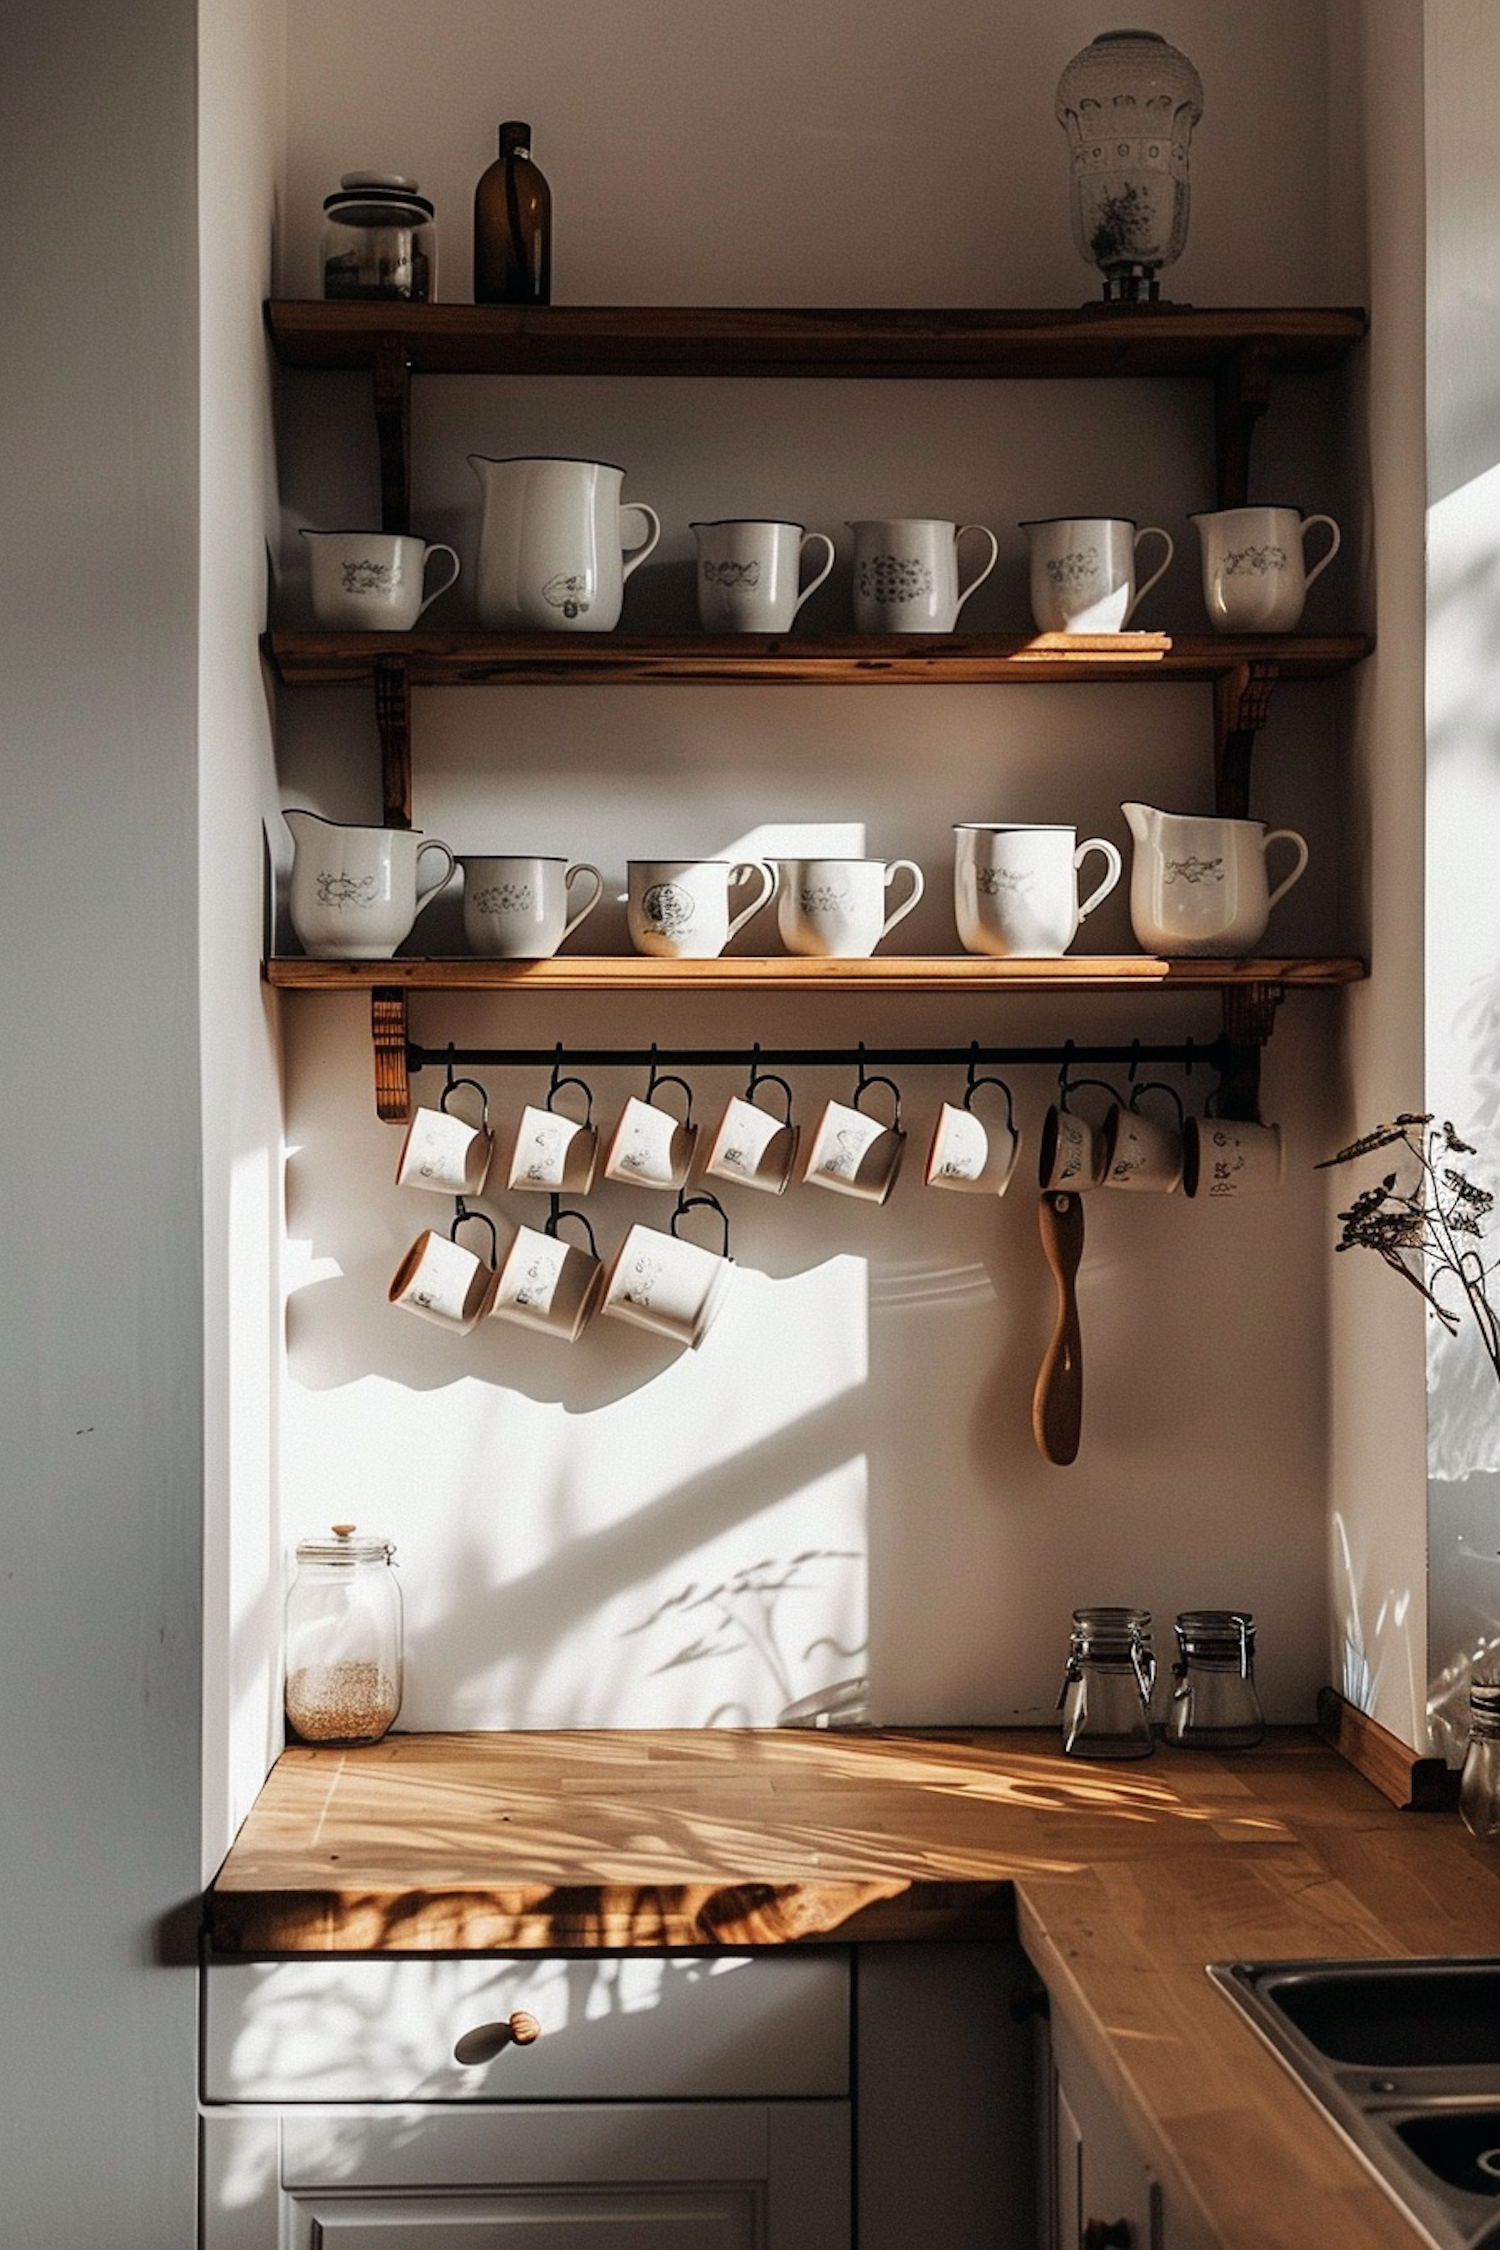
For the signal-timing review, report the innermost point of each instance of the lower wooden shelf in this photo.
(1083, 972)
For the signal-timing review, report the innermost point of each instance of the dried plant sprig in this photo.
(1424, 1232)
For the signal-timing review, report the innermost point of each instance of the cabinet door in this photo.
(1105, 2195)
(685, 2219)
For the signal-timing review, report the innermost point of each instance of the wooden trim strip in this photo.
(1412, 1781)
(955, 973)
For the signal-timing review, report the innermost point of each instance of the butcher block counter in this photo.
(1121, 1880)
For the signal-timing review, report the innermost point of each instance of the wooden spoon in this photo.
(1057, 1402)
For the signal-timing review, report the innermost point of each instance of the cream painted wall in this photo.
(585, 1538)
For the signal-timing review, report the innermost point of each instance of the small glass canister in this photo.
(1479, 1786)
(1106, 1692)
(343, 1639)
(1214, 1704)
(379, 239)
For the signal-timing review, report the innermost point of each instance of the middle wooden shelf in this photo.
(953, 973)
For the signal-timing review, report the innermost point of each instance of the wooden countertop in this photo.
(1124, 1880)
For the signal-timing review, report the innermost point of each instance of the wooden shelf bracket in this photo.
(1242, 702)
(391, 371)
(388, 1029)
(1242, 392)
(1249, 1019)
(393, 720)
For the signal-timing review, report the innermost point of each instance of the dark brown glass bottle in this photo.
(513, 227)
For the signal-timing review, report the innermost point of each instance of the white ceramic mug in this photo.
(852, 1153)
(675, 1288)
(1015, 887)
(355, 892)
(372, 581)
(678, 909)
(440, 1279)
(835, 908)
(556, 545)
(443, 1151)
(1068, 1153)
(553, 1153)
(1224, 1157)
(1255, 574)
(1138, 1153)
(1083, 572)
(517, 909)
(752, 1145)
(906, 573)
(968, 1155)
(548, 1284)
(651, 1147)
(748, 574)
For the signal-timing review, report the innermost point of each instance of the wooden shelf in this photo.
(834, 660)
(1092, 340)
(951, 973)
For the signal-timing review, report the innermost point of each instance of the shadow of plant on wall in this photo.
(742, 1613)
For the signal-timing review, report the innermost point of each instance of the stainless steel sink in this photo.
(1403, 2057)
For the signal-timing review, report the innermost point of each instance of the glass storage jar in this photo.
(1214, 1704)
(343, 1639)
(1479, 1786)
(379, 239)
(1106, 1692)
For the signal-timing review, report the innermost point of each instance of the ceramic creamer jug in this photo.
(556, 545)
(355, 892)
(1198, 885)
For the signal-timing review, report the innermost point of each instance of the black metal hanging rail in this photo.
(1186, 1054)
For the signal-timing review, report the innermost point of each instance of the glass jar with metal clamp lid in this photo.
(1106, 1691)
(379, 239)
(343, 1639)
(1479, 1786)
(1214, 1704)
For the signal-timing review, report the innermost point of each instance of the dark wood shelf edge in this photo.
(474, 659)
(1412, 1780)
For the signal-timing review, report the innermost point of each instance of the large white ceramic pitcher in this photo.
(556, 545)
(1198, 885)
(355, 892)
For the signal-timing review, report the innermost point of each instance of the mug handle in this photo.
(1317, 571)
(439, 547)
(918, 885)
(813, 583)
(425, 890)
(1114, 863)
(581, 867)
(741, 872)
(702, 1201)
(978, 580)
(631, 558)
(1151, 531)
(1286, 836)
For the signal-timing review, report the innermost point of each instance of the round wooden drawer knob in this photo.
(486, 2040)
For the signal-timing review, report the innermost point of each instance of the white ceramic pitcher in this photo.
(555, 545)
(355, 892)
(1199, 885)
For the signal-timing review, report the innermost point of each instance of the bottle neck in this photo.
(515, 140)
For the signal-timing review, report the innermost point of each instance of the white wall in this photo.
(101, 1365)
(563, 1520)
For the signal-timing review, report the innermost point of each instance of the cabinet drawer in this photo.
(633, 2027)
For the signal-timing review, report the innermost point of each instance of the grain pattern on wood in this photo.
(1408, 1777)
(431, 659)
(1057, 1402)
(747, 972)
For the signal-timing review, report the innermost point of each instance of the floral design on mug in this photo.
(1225, 1165)
(426, 1297)
(957, 1168)
(1193, 870)
(842, 1161)
(1004, 882)
(732, 573)
(369, 577)
(737, 1159)
(825, 898)
(345, 890)
(546, 1144)
(894, 578)
(1241, 561)
(669, 909)
(1079, 567)
(505, 898)
(645, 1273)
(536, 1285)
(568, 591)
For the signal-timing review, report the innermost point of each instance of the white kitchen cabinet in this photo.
(1099, 2193)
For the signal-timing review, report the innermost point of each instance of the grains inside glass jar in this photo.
(349, 1701)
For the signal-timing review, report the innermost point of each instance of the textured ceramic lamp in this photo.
(1128, 104)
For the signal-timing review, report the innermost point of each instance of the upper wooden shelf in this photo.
(841, 659)
(896, 972)
(718, 340)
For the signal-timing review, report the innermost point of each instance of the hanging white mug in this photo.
(556, 545)
(442, 1280)
(969, 1155)
(1015, 887)
(442, 1151)
(748, 574)
(675, 1288)
(1255, 575)
(906, 573)
(548, 1284)
(752, 1145)
(1083, 572)
(851, 1152)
